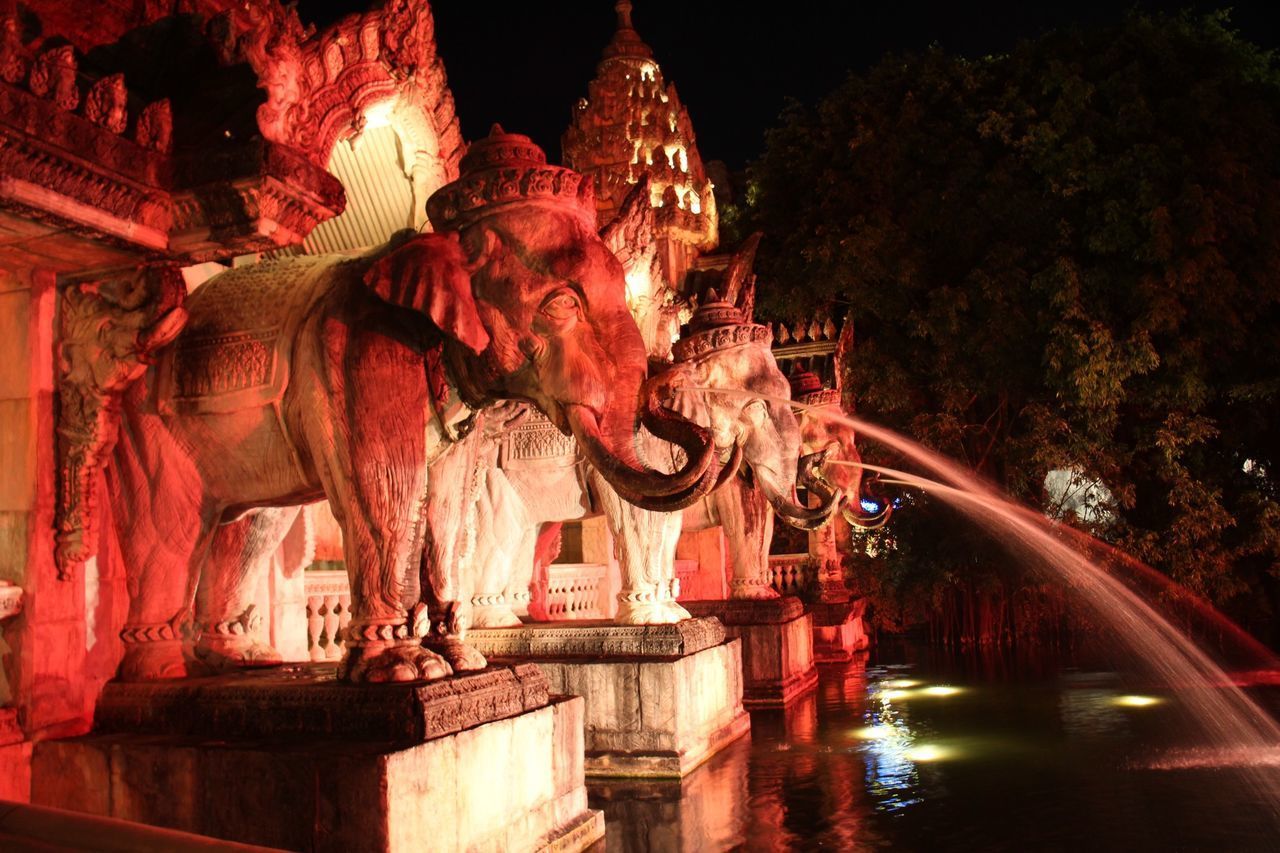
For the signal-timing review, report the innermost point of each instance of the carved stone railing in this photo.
(574, 591)
(791, 574)
(328, 612)
(685, 570)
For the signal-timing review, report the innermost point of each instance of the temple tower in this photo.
(631, 125)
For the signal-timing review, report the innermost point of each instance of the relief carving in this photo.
(110, 332)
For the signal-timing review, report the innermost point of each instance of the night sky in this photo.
(525, 64)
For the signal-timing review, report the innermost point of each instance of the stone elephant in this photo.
(530, 476)
(347, 378)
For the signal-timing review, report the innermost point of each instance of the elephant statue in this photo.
(348, 378)
(724, 377)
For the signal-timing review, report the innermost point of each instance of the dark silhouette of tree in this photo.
(1067, 257)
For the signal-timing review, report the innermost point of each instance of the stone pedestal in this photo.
(706, 810)
(660, 699)
(839, 634)
(293, 758)
(777, 646)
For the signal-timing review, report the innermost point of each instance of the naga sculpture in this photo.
(347, 378)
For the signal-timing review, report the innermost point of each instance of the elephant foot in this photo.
(650, 613)
(751, 590)
(461, 657)
(494, 617)
(381, 663)
(239, 652)
(158, 661)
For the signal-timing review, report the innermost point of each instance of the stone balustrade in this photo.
(790, 574)
(574, 591)
(328, 612)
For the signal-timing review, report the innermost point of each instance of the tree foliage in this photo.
(1064, 257)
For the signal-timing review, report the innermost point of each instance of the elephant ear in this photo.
(429, 273)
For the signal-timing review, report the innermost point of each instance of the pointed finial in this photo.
(623, 8)
(497, 130)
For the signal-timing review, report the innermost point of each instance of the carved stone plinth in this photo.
(706, 810)
(596, 639)
(839, 634)
(777, 646)
(660, 699)
(295, 759)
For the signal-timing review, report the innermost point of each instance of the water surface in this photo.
(917, 750)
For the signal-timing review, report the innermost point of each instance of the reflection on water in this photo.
(918, 751)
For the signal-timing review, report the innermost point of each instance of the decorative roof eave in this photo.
(67, 161)
(320, 87)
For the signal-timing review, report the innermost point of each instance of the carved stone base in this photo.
(296, 759)
(596, 639)
(661, 699)
(777, 646)
(706, 810)
(839, 634)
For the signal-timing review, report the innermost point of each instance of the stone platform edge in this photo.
(306, 701)
(593, 640)
(746, 611)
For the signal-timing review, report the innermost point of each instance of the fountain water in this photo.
(1236, 731)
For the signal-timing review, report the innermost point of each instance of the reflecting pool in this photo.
(916, 750)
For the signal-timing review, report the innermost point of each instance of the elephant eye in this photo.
(561, 306)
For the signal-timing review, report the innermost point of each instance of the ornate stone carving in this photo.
(105, 105)
(632, 124)
(10, 600)
(536, 439)
(299, 699)
(110, 331)
(594, 641)
(155, 127)
(524, 175)
(320, 85)
(13, 57)
(53, 76)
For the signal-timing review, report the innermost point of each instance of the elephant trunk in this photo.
(611, 448)
(784, 502)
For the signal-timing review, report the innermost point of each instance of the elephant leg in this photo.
(239, 558)
(748, 528)
(371, 453)
(645, 542)
(164, 529)
(513, 574)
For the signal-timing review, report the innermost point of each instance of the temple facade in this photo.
(151, 148)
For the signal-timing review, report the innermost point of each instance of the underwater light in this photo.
(928, 752)
(941, 690)
(880, 732)
(890, 695)
(1136, 701)
(900, 683)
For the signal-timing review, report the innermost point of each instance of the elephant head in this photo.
(823, 431)
(532, 306)
(748, 405)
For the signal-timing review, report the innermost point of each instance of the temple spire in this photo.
(626, 41)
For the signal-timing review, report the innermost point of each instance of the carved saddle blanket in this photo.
(544, 467)
(235, 350)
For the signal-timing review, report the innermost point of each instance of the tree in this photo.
(1067, 257)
